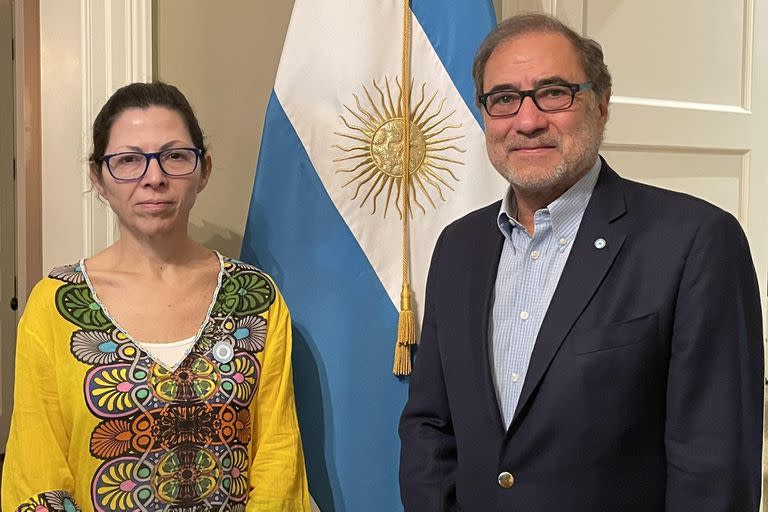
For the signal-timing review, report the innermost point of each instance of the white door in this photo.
(7, 222)
(690, 104)
(687, 112)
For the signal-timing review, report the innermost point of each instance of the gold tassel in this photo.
(406, 328)
(406, 334)
(406, 323)
(402, 365)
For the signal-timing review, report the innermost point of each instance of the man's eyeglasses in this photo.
(549, 98)
(133, 165)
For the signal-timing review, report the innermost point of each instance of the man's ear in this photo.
(603, 102)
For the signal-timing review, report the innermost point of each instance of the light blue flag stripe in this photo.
(456, 29)
(347, 399)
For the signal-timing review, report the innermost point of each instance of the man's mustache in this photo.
(539, 142)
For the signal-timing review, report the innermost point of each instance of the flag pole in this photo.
(406, 325)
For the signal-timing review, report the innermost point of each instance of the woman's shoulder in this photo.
(72, 274)
(234, 266)
(57, 277)
(42, 299)
(246, 283)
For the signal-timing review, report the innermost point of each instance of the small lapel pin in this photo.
(600, 243)
(223, 352)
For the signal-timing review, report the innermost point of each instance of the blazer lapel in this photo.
(584, 271)
(484, 267)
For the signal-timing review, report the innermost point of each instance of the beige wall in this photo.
(223, 56)
(64, 150)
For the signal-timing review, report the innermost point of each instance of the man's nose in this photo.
(529, 119)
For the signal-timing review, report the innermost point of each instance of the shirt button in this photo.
(535, 255)
(506, 480)
(563, 241)
(515, 377)
(524, 315)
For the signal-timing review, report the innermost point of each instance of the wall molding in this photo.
(116, 49)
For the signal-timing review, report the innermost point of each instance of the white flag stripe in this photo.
(309, 90)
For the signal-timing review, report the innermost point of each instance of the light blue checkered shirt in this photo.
(529, 270)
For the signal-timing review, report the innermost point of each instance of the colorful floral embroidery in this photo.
(195, 379)
(111, 439)
(101, 347)
(76, 303)
(250, 333)
(189, 472)
(243, 377)
(246, 292)
(54, 501)
(115, 487)
(69, 273)
(170, 440)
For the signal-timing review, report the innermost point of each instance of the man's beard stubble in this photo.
(587, 140)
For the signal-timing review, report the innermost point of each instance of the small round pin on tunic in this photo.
(600, 243)
(223, 352)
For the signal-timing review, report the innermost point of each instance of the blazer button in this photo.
(506, 480)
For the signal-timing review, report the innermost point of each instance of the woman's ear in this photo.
(94, 173)
(205, 172)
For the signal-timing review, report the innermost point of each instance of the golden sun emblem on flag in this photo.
(376, 163)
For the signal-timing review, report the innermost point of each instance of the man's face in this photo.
(537, 151)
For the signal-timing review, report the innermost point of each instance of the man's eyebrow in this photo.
(503, 87)
(550, 80)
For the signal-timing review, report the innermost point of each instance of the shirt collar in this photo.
(572, 203)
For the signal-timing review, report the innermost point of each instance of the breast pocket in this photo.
(611, 336)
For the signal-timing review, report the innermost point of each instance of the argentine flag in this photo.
(325, 222)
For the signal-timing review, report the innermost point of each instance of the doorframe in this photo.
(7, 218)
(28, 148)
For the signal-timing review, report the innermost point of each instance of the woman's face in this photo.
(157, 203)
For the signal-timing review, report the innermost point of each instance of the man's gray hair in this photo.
(589, 50)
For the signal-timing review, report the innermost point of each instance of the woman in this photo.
(156, 374)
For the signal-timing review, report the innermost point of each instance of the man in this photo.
(589, 343)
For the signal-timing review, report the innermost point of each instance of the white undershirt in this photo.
(168, 354)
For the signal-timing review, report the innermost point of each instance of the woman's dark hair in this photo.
(142, 95)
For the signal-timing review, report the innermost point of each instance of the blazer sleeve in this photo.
(36, 474)
(715, 382)
(278, 480)
(428, 445)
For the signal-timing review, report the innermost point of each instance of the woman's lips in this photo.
(155, 206)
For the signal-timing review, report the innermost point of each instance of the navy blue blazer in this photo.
(645, 387)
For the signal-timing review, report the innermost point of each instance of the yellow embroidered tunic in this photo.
(98, 425)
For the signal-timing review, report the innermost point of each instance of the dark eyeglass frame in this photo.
(148, 158)
(531, 93)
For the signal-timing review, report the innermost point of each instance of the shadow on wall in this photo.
(310, 408)
(219, 238)
(313, 403)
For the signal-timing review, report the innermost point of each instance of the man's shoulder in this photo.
(664, 203)
(673, 215)
(475, 221)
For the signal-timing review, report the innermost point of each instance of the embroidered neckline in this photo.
(137, 344)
